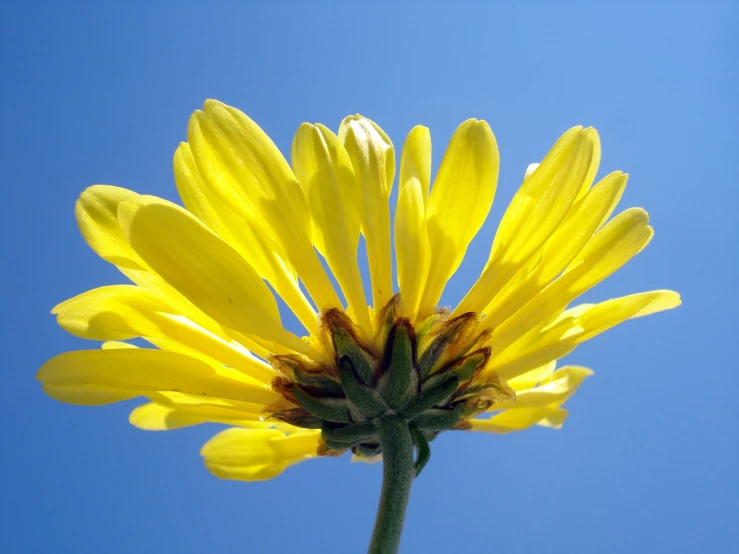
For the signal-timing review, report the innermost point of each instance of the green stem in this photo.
(398, 471)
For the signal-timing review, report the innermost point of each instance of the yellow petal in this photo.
(373, 158)
(244, 167)
(543, 199)
(219, 408)
(116, 312)
(555, 389)
(157, 417)
(325, 172)
(620, 240)
(460, 200)
(251, 368)
(249, 237)
(578, 226)
(580, 223)
(96, 212)
(518, 420)
(97, 215)
(412, 248)
(84, 394)
(554, 419)
(94, 377)
(594, 139)
(206, 270)
(603, 316)
(607, 251)
(533, 377)
(575, 326)
(122, 312)
(534, 214)
(516, 361)
(257, 454)
(115, 345)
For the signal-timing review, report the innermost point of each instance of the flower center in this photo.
(433, 376)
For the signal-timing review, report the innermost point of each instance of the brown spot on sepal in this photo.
(385, 318)
(463, 425)
(463, 336)
(283, 386)
(298, 417)
(446, 342)
(335, 320)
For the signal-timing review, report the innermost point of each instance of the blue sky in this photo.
(647, 461)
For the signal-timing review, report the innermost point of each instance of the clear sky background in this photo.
(647, 461)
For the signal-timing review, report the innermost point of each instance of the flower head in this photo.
(254, 227)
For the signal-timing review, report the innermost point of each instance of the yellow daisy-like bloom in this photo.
(204, 277)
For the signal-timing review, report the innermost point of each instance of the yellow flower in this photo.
(205, 278)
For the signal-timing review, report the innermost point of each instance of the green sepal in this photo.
(430, 397)
(305, 376)
(348, 436)
(346, 342)
(361, 396)
(328, 409)
(438, 419)
(400, 375)
(324, 384)
(464, 369)
(423, 448)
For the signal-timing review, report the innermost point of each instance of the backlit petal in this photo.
(412, 249)
(206, 270)
(97, 215)
(594, 139)
(122, 312)
(460, 200)
(158, 417)
(607, 251)
(257, 454)
(555, 389)
(248, 237)
(533, 377)
(576, 325)
(518, 420)
(155, 417)
(577, 227)
(373, 158)
(93, 375)
(246, 169)
(534, 214)
(325, 172)
(96, 212)
(605, 315)
(221, 409)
